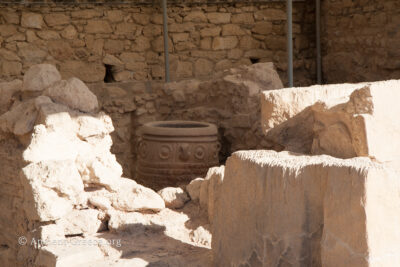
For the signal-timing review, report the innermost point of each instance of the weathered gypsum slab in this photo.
(283, 208)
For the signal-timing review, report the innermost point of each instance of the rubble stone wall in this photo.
(360, 40)
(57, 175)
(125, 42)
(231, 100)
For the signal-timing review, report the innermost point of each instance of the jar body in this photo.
(172, 153)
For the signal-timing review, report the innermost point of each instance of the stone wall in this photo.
(120, 42)
(62, 194)
(231, 100)
(361, 40)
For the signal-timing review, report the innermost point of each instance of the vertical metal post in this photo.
(289, 41)
(166, 52)
(318, 39)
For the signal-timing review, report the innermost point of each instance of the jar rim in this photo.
(179, 128)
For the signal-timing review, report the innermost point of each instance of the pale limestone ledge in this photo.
(277, 208)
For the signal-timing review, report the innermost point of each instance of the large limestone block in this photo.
(54, 116)
(94, 125)
(266, 214)
(210, 190)
(39, 77)
(98, 26)
(361, 218)
(51, 188)
(20, 119)
(129, 196)
(81, 222)
(132, 222)
(98, 168)
(216, 175)
(174, 197)
(47, 144)
(100, 202)
(277, 208)
(344, 121)
(32, 20)
(7, 90)
(277, 106)
(76, 252)
(23, 116)
(221, 43)
(74, 94)
(193, 188)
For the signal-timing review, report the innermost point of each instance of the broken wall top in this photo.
(343, 120)
(293, 161)
(307, 211)
(67, 182)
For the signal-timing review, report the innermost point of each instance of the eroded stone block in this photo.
(40, 76)
(277, 208)
(74, 94)
(344, 121)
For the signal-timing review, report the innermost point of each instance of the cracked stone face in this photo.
(343, 120)
(311, 210)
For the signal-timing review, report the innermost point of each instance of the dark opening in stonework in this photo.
(109, 77)
(74, 235)
(254, 60)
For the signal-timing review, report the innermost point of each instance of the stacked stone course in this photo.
(361, 40)
(86, 41)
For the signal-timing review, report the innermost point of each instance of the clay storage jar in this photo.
(172, 153)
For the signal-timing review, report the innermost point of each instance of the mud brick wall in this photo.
(124, 42)
(361, 40)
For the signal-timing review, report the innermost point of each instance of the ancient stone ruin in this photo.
(159, 133)
(59, 178)
(230, 100)
(330, 197)
(65, 200)
(323, 192)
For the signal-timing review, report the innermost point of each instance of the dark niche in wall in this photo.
(254, 60)
(109, 77)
